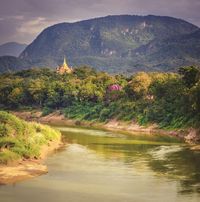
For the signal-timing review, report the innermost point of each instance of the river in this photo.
(100, 166)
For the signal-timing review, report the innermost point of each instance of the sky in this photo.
(22, 20)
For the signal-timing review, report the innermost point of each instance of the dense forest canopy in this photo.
(169, 99)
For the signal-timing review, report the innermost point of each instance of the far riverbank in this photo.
(189, 135)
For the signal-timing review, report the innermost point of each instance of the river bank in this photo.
(190, 135)
(23, 148)
(27, 168)
(97, 165)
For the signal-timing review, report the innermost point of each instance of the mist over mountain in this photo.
(117, 44)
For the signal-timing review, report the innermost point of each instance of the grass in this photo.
(8, 156)
(21, 139)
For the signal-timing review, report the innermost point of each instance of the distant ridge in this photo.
(117, 44)
(12, 49)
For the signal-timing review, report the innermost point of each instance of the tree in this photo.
(15, 97)
(139, 85)
(190, 75)
(36, 89)
(84, 71)
(195, 97)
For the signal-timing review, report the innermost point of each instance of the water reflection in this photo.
(183, 164)
(169, 159)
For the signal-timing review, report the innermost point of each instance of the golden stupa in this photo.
(64, 68)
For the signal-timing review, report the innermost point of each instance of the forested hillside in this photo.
(12, 64)
(115, 44)
(110, 44)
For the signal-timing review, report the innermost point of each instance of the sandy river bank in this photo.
(27, 168)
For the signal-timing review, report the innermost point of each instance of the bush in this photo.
(46, 111)
(19, 138)
(8, 156)
(104, 114)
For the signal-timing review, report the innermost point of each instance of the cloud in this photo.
(17, 17)
(33, 26)
(22, 20)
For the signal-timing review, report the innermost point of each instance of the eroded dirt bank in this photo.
(27, 168)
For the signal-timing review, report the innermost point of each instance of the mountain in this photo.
(11, 64)
(109, 43)
(12, 49)
(180, 50)
(117, 44)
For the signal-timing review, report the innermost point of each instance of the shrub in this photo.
(19, 138)
(46, 111)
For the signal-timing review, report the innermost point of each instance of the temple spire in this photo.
(65, 63)
(64, 68)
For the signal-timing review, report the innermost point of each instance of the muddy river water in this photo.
(100, 166)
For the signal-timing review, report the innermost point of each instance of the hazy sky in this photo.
(23, 20)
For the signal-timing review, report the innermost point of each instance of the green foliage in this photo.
(83, 111)
(139, 85)
(191, 75)
(19, 138)
(46, 111)
(168, 99)
(83, 72)
(8, 156)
